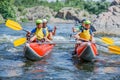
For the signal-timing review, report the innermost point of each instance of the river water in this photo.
(59, 64)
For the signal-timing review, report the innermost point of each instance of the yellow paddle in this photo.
(112, 48)
(107, 40)
(19, 41)
(14, 25)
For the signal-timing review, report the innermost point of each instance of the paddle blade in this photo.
(19, 42)
(108, 41)
(13, 25)
(114, 49)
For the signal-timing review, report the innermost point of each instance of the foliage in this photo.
(89, 5)
(7, 9)
(96, 7)
(24, 20)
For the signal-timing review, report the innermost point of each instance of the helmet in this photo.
(44, 20)
(39, 21)
(87, 22)
(83, 20)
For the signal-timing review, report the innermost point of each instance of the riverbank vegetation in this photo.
(8, 8)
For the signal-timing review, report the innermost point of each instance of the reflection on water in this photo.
(59, 65)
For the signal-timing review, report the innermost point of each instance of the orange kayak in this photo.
(86, 51)
(36, 51)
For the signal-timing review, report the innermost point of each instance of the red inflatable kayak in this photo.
(36, 51)
(86, 51)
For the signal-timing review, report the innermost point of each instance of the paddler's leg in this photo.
(76, 45)
(84, 43)
(33, 38)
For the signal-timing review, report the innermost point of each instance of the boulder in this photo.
(109, 22)
(59, 20)
(115, 2)
(38, 12)
(70, 13)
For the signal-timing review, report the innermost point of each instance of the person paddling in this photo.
(85, 34)
(79, 26)
(38, 33)
(48, 30)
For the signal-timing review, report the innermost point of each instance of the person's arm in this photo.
(47, 37)
(51, 32)
(76, 28)
(33, 38)
(30, 33)
(54, 30)
(33, 31)
(92, 36)
(77, 36)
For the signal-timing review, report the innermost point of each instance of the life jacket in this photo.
(40, 33)
(45, 31)
(85, 34)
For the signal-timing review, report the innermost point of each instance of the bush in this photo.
(7, 9)
(24, 20)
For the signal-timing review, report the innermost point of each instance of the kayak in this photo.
(86, 51)
(35, 51)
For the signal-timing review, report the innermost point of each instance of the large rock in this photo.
(109, 22)
(37, 12)
(70, 13)
(115, 2)
(59, 20)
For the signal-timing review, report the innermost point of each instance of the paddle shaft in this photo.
(63, 42)
(58, 42)
(25, 30)
(102, 45)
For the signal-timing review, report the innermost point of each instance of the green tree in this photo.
(7, 9)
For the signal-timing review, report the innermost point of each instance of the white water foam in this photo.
(59, 38)
(7, 38)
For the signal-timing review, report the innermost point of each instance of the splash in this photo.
(59, 38)
(7, 38)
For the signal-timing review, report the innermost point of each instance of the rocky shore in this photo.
(107, 22)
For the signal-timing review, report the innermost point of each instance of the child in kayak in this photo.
(38, 32)
(85, 34)
(79, 26)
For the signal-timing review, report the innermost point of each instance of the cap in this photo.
(83, 20)
(87, 22)
(39, 21)
(44, 20)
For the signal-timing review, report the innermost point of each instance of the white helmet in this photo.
(44, 20)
